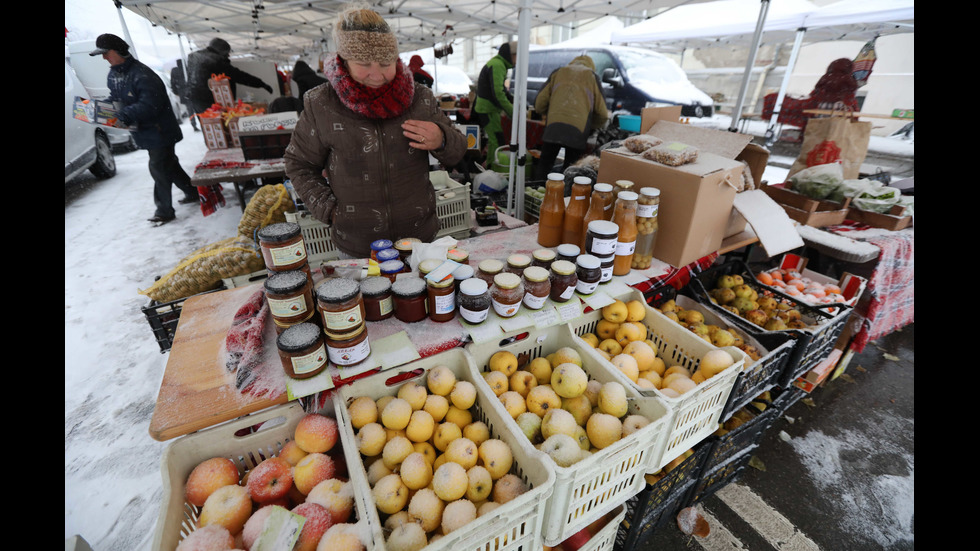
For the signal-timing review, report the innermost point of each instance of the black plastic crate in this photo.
(636, 530)
(743, 437)
(810, 345)
(163, 318)
(270, 144)
(721, 475)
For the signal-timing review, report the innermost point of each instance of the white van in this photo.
(87, 145)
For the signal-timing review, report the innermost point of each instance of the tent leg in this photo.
(753, 50)
(771, 130)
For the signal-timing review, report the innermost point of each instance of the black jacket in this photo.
(204, 63)
(305, 78)
(145, 104)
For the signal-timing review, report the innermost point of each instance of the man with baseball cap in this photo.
(215, 60)
(144, 106)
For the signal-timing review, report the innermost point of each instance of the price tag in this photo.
(519, 321)
(483, 332)
(570, 310)
(546, 317)
(598, 299)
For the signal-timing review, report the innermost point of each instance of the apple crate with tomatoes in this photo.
(598, 436)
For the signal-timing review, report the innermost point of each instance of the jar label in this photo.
(474, 316)
(607, 273)
(310, 362)
(349, 355)
(444, 304)
(585, 287)
(386, 305)
(603, 247)
(505, 310)
(287, 308)
(339, 322)
(647, 211)
(625, 249)
(568, 292)
(289, 254)
(533, 301)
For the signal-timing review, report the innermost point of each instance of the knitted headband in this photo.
(366, 46)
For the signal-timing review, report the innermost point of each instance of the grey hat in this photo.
(220, 45)
(106, 42)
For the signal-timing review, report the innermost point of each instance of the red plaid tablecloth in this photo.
(889, 302)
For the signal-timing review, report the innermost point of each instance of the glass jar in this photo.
(428, 265)
(487, 269)
(589, 272)
(384, 255)
(647, 209)
(341, 305)
(551, 214)
(621, 186)
(302, 350)
(567, 252)
(563, 280)
(578, 204)
(600, 208)
(606, 265)
(290, 298)
(409, 295)
(391, 268)
(282, 246)
(625, 217)
(537, 287)
(543, 258)
(380, 245)
(378, 304)
(516, 263)
(441, 299)
(349, 348)
(458, 255)
(404, 247)
(506, 294)
(474, 300)
(601, 238)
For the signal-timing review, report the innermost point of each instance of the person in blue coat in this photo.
(145, 107)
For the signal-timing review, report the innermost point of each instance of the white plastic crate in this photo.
(452, 205)
(275, 426)
(696, 413)
(596, 485)
(511, 526)
(605, 538)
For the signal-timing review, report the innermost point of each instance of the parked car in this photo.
(92, 71)
(450, 80)
(87, 145)
(632, 78)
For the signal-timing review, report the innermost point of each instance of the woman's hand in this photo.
(423, 135)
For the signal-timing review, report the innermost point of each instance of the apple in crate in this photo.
(270, 480)
(576, 540)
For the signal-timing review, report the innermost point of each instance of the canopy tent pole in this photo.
(753, 50)
(797, 43)
(128, 37)
(518, 129)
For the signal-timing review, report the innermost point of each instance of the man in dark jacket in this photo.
(145, 107)
(178, 85)
(214, 60)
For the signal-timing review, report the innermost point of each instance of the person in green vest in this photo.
(492, 97)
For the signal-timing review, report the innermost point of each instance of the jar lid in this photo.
(568, 250)
(408, 286)
(518, 260)
(391, 266)
(491, 266)
(556, 176)
(381, 244)
(298, 337)
(286, 282)
(407, 243)
(536, 273)
(459, 255)
(385, 255)
(545, 255)
(279, 232)
(604, 227)
(442, 283)
(628, 196)
(650, 191)
(375, 286)
(429, 264)
(563, 267)
(588, 261)
(473, 286)
(602, 187)
(337, 289)
(507, 280)
(624, 183)
(464, 271)
(582, 180)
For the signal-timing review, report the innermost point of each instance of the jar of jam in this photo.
(601, 238)
(474, 300)
(563, 280)
(428, 265)
(384, 255)
(282, 246)
(487, 269)
(458, 255)
(290, 298)
(349, 348)
(409, 295)
(647, 209)
(543, 258)
(378, 304)
(506, 294)
(589, 272)
(404, 247)
(516, 263)
(568, 252)
(625, 217)
(391, 268)
(461, 274)
(380, 245)
(606, 264)
(441, 299)
(341, 305)
(302, 350)
(537, 287)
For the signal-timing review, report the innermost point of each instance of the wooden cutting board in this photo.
(197, 390)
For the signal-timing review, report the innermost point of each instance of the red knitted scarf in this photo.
(385, 102)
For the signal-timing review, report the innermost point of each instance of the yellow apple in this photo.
(503, 361)
(569, 380)
(616, 312)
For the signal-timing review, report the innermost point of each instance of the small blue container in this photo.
(629, 123)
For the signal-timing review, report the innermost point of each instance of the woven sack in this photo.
(269, 205)
(204, 269)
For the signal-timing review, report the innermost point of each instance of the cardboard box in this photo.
(695, 200)
(807, 211)
(215, 134)
(813, 378)
(894, 220)
(851, 285)
(221, 90)
(651, 115)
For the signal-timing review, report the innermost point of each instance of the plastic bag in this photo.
(879, 199)
(204, 269)
(819, 181)
(850, 188)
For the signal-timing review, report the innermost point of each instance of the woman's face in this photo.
(372, 74)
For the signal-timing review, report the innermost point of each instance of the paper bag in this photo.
(838, 138)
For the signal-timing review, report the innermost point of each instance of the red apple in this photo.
(318, 520)
(270, 480)
(576, 540)
(316, 433)
(312, 470)
(208, 476)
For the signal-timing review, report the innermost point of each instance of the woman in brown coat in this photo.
(359, 155)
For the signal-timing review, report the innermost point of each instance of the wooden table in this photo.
(856, 114)
(228, 166)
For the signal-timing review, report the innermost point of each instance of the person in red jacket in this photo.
(418, 73)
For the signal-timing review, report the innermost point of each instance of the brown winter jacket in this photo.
(377, 186)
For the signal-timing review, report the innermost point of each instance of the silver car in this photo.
(87, 146)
